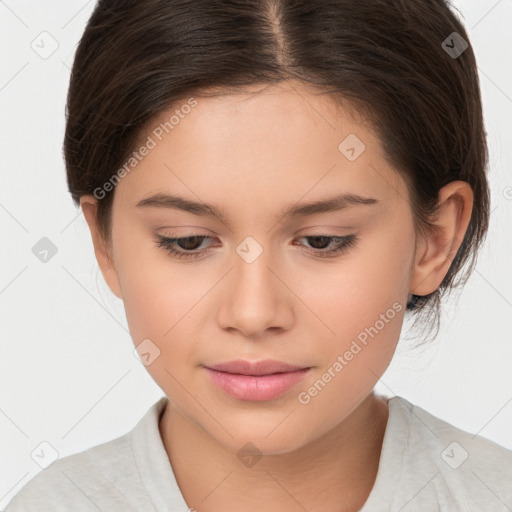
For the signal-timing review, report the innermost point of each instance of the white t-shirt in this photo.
(426, 465)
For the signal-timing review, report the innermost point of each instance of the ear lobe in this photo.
(89, 205)
(437, 249)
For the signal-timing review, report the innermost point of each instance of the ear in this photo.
(437, 249)
(102, 251)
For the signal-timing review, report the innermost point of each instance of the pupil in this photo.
(315, 241)
(193, 242)
(185, 242)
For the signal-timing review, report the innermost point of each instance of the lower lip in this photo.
(256, 387)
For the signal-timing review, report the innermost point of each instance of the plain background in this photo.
(68, 373)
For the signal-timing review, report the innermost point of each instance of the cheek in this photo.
(162, 297)
(361, 325)
(367, 289)
(353, 309)
(159, 303)
(161, 306)
(365, 311)
(361, 305)
(158, 295)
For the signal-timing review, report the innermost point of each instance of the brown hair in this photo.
(393, 60)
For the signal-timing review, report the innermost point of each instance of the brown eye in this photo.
(182, 247)
(189, 246)
(189, 243)
(320, 242)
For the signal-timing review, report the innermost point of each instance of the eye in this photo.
(189, 246)
(341, 244)
(187, 243)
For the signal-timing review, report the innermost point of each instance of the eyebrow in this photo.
(325, 205)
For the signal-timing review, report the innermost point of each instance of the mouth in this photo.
(258, 368)
(256, 381)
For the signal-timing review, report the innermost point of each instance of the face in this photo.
(322, 288)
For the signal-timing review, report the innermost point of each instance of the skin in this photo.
(254, 155)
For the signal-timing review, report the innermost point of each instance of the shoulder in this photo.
(104, 477)
(472, 469)
(75, 480)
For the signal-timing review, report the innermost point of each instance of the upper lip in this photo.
(263, 367)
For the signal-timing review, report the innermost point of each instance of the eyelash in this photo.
(166, 243)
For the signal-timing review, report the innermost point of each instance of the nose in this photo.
(255, 298)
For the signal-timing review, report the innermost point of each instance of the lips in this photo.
(264, 367)
(258, 381)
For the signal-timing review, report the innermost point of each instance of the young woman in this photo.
(271, 186)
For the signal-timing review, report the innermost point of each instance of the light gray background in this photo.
(68, 373)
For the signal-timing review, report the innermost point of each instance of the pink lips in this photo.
(262, 380)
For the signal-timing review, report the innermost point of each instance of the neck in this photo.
(334, 472)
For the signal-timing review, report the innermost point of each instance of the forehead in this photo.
(288, 108)
(278, 141)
